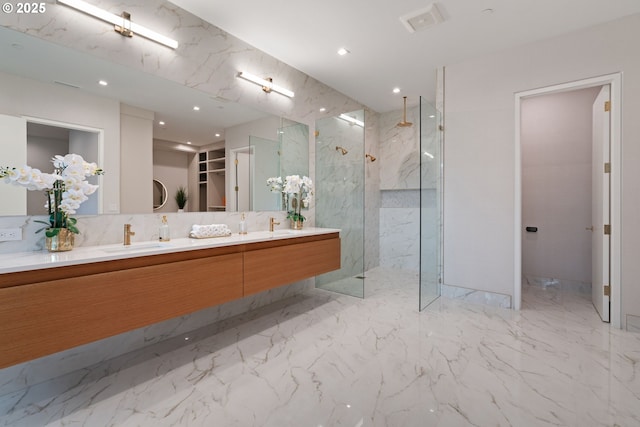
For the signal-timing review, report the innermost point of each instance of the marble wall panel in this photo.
(399, 151)
(400, 238)
(108, 229)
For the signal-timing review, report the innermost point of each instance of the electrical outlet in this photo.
(7, 234)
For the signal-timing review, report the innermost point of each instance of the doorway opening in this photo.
(555, 189)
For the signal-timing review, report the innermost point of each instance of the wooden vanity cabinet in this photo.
(270, 267)
(46, 311)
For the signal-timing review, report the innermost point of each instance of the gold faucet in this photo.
(272, 222)
(127, 234)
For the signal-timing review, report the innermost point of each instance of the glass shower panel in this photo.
(294, 149)
(430, 204)
(263, 163)
(339, 189)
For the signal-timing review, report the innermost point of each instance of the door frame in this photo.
(248, 149)
(615, 80)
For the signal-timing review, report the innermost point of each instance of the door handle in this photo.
(589, 228)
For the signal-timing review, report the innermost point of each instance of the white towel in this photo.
(211, 230)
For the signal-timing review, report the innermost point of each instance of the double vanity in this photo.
(50, 302)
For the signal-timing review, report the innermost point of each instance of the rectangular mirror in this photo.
(141, 120)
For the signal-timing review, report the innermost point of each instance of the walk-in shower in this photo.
(410, 187)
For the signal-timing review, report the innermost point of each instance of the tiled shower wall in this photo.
(399, 187)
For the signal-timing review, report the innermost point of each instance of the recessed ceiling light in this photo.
(396, 90)
(487, 11)
(322, 110)
(103, 82)
(161, 123)
(196, 108)
(343, 51)
(217, 135)
(189, 142)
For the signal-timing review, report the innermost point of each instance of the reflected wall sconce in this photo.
(122, 24)
(351, 120)
(267, 84)
(370, 157)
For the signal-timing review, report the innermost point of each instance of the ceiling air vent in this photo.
(422, 19)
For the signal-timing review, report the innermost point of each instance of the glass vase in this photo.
(61, 242)
(296, 224)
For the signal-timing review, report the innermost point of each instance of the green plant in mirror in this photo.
(181, 197)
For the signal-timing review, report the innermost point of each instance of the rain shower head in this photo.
(404, 123)
(342, 150)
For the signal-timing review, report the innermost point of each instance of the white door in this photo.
(13, 146)
(600, 204)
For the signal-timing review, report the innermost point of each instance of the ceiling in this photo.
(383, 54)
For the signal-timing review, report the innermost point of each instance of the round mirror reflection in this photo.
(159, 194)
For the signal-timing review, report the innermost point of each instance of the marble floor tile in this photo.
(324, 359)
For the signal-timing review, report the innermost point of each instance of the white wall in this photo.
(71, 106)
(480, 153)
(136, 139)
(556, 184)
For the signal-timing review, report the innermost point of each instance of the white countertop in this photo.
(24, 261)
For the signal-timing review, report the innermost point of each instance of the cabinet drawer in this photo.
(268, 268)
(47, 317)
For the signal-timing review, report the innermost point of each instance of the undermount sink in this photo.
(139, 247)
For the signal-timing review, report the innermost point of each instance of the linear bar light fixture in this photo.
(267, 84)
(351, 120)
(122, 23)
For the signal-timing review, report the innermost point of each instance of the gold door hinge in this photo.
(607, 229)
(607, 106)
(607, 167)
(607, 290)
(235, 161)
